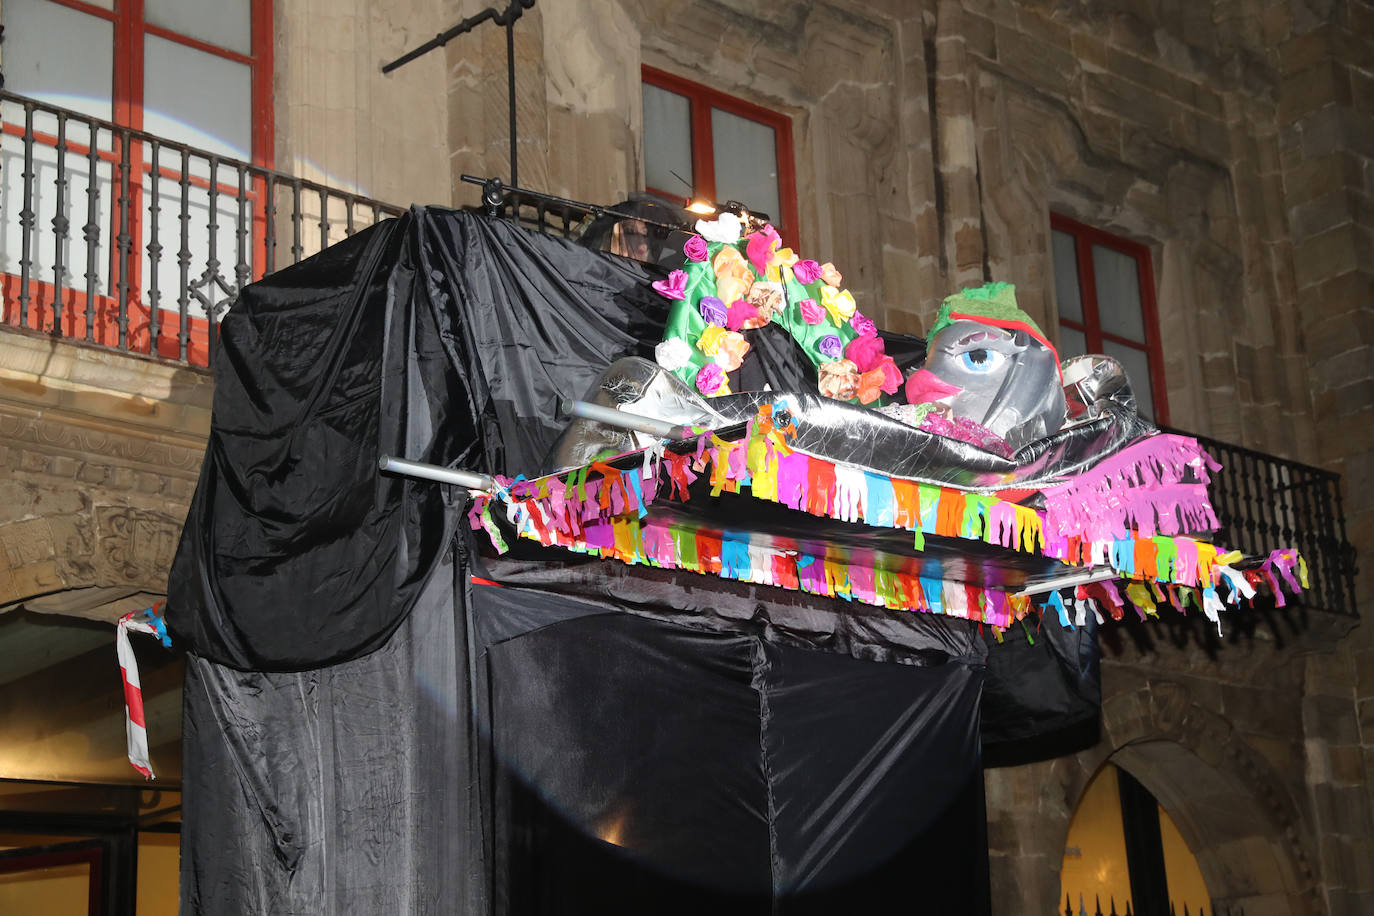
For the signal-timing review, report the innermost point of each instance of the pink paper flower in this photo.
(812, 312)
(892, 376)
(865, 352)
(741, 312)
(711, 380)
(696, 248)
(806, 271)
(675, 287)
(864, 327)
(761, 246)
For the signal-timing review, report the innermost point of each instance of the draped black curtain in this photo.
(367, 730)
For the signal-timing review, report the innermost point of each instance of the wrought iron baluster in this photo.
(59, 225)
(270, 220)
(1327, 544)
(1068, 904)
(348, 216)
(154, 249)
(1098, 909)
(324, 219)
(1342, 552)
(212, 277)
(124, 241)
(1306, 541)
(1245, 530)
(184, 257)
(91, 231)
(242, 271)
(1112, 906)
(296, 248)
(28, 219)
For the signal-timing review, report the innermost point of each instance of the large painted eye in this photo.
(981, 360)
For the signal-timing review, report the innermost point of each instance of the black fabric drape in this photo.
(367, 732)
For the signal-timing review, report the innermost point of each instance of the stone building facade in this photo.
(933, 141)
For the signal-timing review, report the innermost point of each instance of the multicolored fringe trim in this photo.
(601, 510)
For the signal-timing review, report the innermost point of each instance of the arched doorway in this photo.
(1125, 854)
(1230, 806)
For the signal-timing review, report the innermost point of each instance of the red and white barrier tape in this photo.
(134, 722)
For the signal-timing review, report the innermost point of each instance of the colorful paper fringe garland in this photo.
(605, 515)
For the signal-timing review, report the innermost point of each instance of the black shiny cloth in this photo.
(367, 731)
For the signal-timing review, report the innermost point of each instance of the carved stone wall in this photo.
(100, 455)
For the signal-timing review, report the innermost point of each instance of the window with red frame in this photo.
(193, 72)
(1105, 290)
(701, 144)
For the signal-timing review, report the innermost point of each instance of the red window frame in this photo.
(126, 90)
(702, 100)
(1085, 237)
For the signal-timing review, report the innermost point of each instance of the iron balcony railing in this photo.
(120, 238)
(1264, 502)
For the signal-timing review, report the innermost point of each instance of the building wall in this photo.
(932, 141)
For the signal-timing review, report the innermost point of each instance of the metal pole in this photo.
(467, 479)
(510, 91)
(621, 419)
(1079, 578)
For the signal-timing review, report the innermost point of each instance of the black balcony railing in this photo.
(120, 238)
(553, 215)
(1263, 502)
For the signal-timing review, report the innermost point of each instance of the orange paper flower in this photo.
(830, 275)
(730, 353)
(733, 274)
(871, 385)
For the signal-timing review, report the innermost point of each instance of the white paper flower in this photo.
(725, 228)
(673, 353)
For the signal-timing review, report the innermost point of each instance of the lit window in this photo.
(700, 144)
(1104, 288)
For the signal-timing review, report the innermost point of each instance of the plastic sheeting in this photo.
(366, 731)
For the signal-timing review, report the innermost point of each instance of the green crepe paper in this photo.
(996, 301)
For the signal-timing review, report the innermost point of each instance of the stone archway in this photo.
(1231, 806)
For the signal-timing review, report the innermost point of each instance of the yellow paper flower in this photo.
(839, 303)
(710, 340)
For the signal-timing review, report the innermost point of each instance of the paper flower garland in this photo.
(731, 284)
